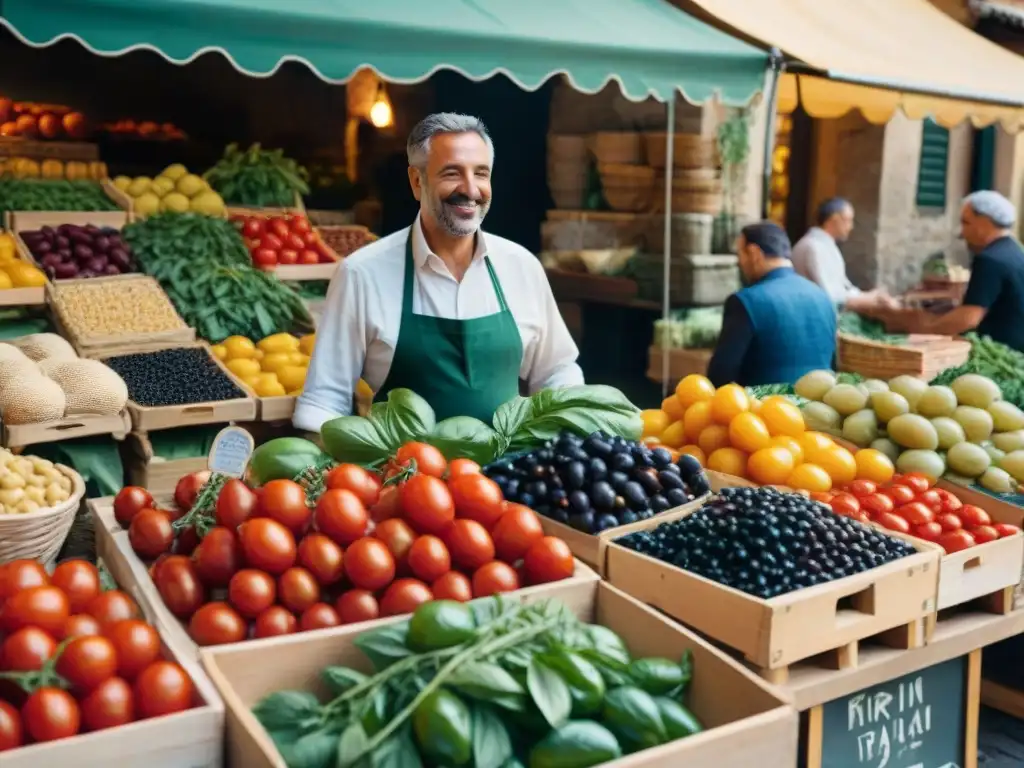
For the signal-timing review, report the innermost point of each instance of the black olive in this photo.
(527, 500)
(604, 522)
(622, 462)
(512, 489)
(181, 376)
(560, 515)
(670, 480)
(573, 475)
(538, 489)
(557, 496)
(501, 481)
(699, 484)
(582, 521)
(662, 458)
(648, 481)
(676, 497)
(627, 516)
(602, 496)
(618, 480)
(597, 469)
(688, 466)
(659, 503)
(634, 496)
(595, 446)
(578, 502)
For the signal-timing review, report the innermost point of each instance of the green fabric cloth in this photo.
(15, 323)
(650, 46)
(97, 459)
(184, 442)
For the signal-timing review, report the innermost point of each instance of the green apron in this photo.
(460, 367)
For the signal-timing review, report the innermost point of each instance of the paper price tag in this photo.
(231, 451)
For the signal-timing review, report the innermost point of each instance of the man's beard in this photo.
(455, 225)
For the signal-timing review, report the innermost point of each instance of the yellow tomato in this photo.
(275, 361)
(673, 407)
(5, 281)
(251, 381)
(269, 389)
(814, 444)
(295, 392)
(279, 342)
(24, 275)
(300, 359)
(243, 367)
(770, 466)
(696, 418)
(696, 452)
(782, 417)
(655, 420)
(239, 347)
(810, 477)
(292, 377)
(792, 445)
(839, 463)
(8, 253)
(755, 404)
(874, 465)
(730, 461)
(674, 435)
(363, 390)
(694, 389)
(748, 433)
(651, 442)
(728, 403)
(219, 351)
(712, 438)
(306, 343)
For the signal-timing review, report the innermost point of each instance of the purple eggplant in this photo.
(62, 242)
(83, 252)
(120, 257)
(40, 248)
(51, 260)
(112, 270)
(66, 271)
(101, 244)
(96, 264)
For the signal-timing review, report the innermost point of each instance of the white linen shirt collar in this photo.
(422, 256)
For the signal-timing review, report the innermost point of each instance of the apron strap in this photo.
(496, 284)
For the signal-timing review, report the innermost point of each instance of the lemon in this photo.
(140, 186)
(189, 185)
(292, 376)
(24, 275)
(123, 182)
(275, 361)
(176, 202)
(241, 367)
(306, 343)
(175, 172)
(5, 281)
(147, 204)
(208, 203)
(219, 351)
(279, 342)
(238, 346)
(162, 186)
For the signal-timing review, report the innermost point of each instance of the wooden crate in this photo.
(921, 355)
(27, 221)
(75, 151)
(745, 723)
(153, 418)
(681, 362)
(21, 435)
(276, 408)
(157, 475)
(22, 297)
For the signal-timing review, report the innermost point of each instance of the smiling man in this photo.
(441, 308)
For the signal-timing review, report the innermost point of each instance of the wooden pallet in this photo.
(924, 356)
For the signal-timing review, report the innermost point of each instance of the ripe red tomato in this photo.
(137, 645)
(429, 460)
(252, 226)
(109, 704)
(187, 541)
(916, 513)
(285, 502)
(387, 505)
(162, 688)
(44, 607)
(351, 477)
(860, 516)
(26, 650)
(429, 558)
(300, 225)
(845, 504)
(404, 596)
(460, 467)
(129, 501)
(177, 580)
(1005, 529)
(931, 499)
(267, 545)
(265, 257)
(288, 256)
(275, 621)
(900, 494)
(216, 624)
(369, 564)
(298, 590)
(188, 487)
(21, 574)
(877, 504)
(493, 578)
(397, 536)
(150, 533)
(548, 559)
(113, 605)
(478, 498)
(251, 592)
(893, 522)
(469, 544)
(319, 616)
(955, 541)
(341, 516)
(452, 586)
(12, 734)
(928, 531)
(235, 504)
(972, 516)
(427, 504)
(950, 503)
(309, 256)
(79, 580)
(984, 533)
(862, 488)
(271, 241)
(50, 714)
(823, 498)
(949, 522)
(219, 555)
(321, 557)
(279, 227)
(517, 529)
(916, 481)
(86, 662)
(294, 242)
(357, 605)
(79, 625)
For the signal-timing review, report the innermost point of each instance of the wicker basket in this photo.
(40, 535)
(922, 356)
(567, 148)
(688, 150)
(616, 147)
(627, 187)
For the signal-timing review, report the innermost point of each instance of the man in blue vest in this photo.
(781, 325)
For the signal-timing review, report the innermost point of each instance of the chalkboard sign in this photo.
(915, 721)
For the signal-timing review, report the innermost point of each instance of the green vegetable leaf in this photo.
(351, 745)
(512, 415)
(313, 750)
(383, 647)
(287, 710)
(686, 665)
(607, 645)
(340, 679)
(482, 680)
(410, 416)
(398, 751)
(355, 439)
(464, 437)
(492, 745)
(549, 693)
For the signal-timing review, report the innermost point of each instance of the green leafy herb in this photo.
(464, 437)
(549, 691)
(491, 743)
(258, 178)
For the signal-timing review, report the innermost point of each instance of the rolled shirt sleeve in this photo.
(551, 361)
(735, 339)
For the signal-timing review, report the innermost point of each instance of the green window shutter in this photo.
(931, 170)
(983, 167)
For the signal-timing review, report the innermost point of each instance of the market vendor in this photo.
(440, 307)
(993, 304)
(817, 257)
(780, 326)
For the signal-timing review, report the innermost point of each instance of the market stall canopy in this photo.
(879, 56)
(649, 46)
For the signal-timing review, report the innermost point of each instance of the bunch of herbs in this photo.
(258, 177)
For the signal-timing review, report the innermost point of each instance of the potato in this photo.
(977, 423)
(949, 431)
(846, 399)
(889, 405)
(814, 385)
(975, 390)
(910, 387)
(1006, 417)
(936, 401)
(913, 431)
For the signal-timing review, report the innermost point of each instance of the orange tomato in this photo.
(694, 389)
(696, 418)
(728, 403)
(814, 444)
(810, 477)
(696, 452)
(770, 466)
(839, 463)
(674, 435)
(730, 461)
(748, 433)
(874, 465)
(792, 445)
(673, 407)
(712, 438)
(782, 417)
(655, 421)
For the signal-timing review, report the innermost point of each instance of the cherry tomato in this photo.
(252, 227)
(79, 580)
(844, 504)
(877, 504)
(950, 503)
(469, 544)
(860, 516)
(900, 494)
(823, 498)
(928, 531)
(1005, 529)
(285, 502)
(397, 537)
(404, 596)
(955, 541)
(387, 505)
(369, 564)
(429, 460)
(79, 625)
(129, 501)
(460, 467)
(351, 477)
(478, 498)
(341, 516)
(50, 714)
(187, 541)
(86, 662)
(265, 257)
(12, 734)
(177, 580)
(251, 592)
(319, 616)
(321, 557)
(216, 624)
(267, 545)
(893, 522)
(493, 578)
(26, 650)
(236, 503)
(109, 704)
(187, 490)
(308, 256)
(429, 558)
(300, 225)
(452, 586)
(44, 607)
(357, 605)
(275, 621)
(931, 499)
(916, 513)
(137, 645)
(862, 488)
(21, 574)
(916, 481)
(949, 522)
(984, 533)
(113, 605)
(279, 227)
(150, 533)
(427, 504)
(162, 688)
(548, 559)
(219, 556)
(297, 589)
(516, 530)
(972, 516)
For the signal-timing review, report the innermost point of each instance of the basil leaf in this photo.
(286, 710)
(314, 750)
(409, 415)
(482, 679)
(398, 751)
(351, 745)
(383, 647)
(340, 679)
(549, 693)
(512, 415)
(354, 439)
(491, 743)
(464, 437)
(608, 646)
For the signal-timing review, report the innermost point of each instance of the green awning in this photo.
(649, 46)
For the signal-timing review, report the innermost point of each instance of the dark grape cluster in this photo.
(599, 482)
(767, 543)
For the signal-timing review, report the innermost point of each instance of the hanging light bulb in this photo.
(380, 113)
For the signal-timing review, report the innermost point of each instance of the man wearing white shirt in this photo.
(441, 308)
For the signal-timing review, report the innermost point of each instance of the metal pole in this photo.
(666, 307)
(776, 65)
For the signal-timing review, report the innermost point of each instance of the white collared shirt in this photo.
(817, 257)
(358, 331)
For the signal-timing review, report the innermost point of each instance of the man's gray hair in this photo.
(418, 146)
(993, 206)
